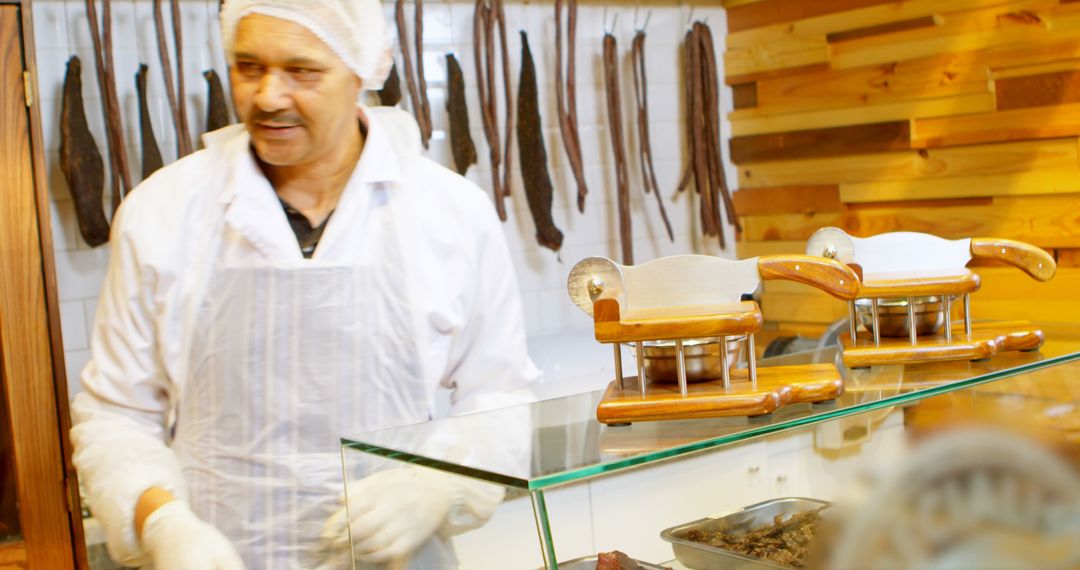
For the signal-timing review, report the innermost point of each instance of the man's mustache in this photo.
(289, 120)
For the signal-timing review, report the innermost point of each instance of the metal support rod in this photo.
(641, 366)
(751, 360)
(724, 363)
(911, 319)
(543, 529)
(877, 328)
(680, 365)
(618, 365)
(967, 314)
(948, 318)
(853, 324)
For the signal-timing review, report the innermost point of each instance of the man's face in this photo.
(295, 96)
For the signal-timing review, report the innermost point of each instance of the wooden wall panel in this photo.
(1009, 24)
(1067, 257)
(788, 200)
(990, 91)
(778, 11)
(744, 95)
(1003, 288)
(1017, 184)
(854, 17)
(922, 78)
(760, 120)
(813, 143)
(1038, 90)
(962, 161)
(1047, 221)
(747, 249)
(998, 126)
(781, 54)
(887, 28)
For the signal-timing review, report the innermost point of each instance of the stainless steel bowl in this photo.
(893, 315)
(702, 357)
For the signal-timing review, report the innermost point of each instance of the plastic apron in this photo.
(286, 360)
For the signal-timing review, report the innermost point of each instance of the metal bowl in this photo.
(893, 316)
(702, 356)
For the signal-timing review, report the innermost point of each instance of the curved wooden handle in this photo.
(1032, 260)
(829, 275)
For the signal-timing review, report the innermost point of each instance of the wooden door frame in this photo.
(64, 543)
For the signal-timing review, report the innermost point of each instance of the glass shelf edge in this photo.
(557, 479)
(412, 459)
(549, 481)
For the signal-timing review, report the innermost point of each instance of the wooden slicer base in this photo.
(776, 386)
(986, 340)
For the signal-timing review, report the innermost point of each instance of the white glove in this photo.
(395, 511)
(179, 540)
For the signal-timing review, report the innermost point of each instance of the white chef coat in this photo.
(464, 299)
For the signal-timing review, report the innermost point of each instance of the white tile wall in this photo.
(61, 30)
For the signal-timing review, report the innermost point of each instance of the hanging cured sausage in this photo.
(417, 94)
(151, 154)
(390, 94)
(114, 128)
(705, 167)
(566, 96)
(484, 19)
(80, 160)
(183, 137)
(641, 97)
(461, 143)
(534, 169)
(217, 111)
(611, 83)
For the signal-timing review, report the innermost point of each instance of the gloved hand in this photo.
(179, 540)
(395, 511)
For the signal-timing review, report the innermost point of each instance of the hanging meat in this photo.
(181, 94)
(183, 138)
(712, 123)
(461, 143)
(114, 128)
(566, 96)
(217, 111)
(688, 96)
(484, 56)
(418, 95)
(390, 94)
(80, 160)
(641, 97)
(534, 169)
(611, 87)
(500, 18)
(151, 154)
(421, 80)
(705, 167)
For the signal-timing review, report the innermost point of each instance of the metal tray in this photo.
(589, 563)
(704, 557)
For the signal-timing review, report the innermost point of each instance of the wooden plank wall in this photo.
(955, 117)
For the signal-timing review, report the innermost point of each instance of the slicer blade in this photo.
(591, 277)
(833, 243)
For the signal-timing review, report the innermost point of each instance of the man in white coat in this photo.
(307, 275)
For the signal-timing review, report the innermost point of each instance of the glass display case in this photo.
(545, 484)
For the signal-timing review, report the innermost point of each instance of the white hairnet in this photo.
(354, 29)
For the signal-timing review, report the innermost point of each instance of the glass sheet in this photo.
(567, 444)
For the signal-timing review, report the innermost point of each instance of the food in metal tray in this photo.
(616, 560)
(784, 542)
